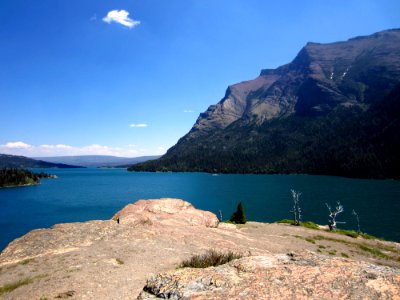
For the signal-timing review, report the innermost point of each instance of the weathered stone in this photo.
(309, 276)
(165, 211)
(107, 260)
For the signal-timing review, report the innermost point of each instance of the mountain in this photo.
(13, 161)
(98, 160)
(333, 110)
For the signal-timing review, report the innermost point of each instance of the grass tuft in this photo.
(354, 234)
(350, 233)
(26, 261)
(307, 224)
(374, 251)
(211, 258)
(285, 221)
(9, 287)
(310, 240)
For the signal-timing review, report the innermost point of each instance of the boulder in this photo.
(291, 276)
(165, 211)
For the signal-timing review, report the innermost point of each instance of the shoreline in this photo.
(104, 259)
(19, 185)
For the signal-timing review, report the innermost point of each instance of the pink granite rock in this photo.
(165, 211)
(293, 276)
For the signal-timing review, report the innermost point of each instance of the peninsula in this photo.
(14, 177)
(137, 252)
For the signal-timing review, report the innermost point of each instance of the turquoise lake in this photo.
(87, 194)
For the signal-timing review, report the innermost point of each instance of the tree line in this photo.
(16, 177)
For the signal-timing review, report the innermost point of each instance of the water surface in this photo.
(86, 194)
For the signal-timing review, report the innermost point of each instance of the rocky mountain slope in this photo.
(138, 256)
(323, 113)
(14, 161)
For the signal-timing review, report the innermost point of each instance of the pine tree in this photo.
(239, 216)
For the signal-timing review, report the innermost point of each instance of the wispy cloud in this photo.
(58, 146)
(121, 17)
(16, 145)
(93, 18)
(142, 125)
(188, 111)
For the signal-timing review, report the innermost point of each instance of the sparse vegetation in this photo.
(310, 240)
(119, 261)
(285, 221)
(9, 287)
(332, 252)
(350, 233)
(211, 258)
(375, 251)
(353, 234)
(344, 255)
(25, 261)
(307, 224)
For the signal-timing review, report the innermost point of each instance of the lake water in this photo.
(86, 194)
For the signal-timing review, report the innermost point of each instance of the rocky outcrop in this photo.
(165, 211)
(107, 260)
(292, 276)
(320, 78)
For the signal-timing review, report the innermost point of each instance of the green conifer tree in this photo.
(239, 216)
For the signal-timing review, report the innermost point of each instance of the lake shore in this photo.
(19, 185)
(111, 260)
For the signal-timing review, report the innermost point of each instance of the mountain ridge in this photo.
(284, 117)
(16, 161)
(98, 160)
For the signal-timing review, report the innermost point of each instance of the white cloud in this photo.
(142, 125)
(188, 111)
(121, 17)
(21, 148)
(58, 146)
(16, 145)
(43, 150)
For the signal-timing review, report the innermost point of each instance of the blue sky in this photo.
(74, 81)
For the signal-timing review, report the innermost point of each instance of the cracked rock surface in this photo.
(107, 260)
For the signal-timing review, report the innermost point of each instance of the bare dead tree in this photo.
(220, 215)
(358, 221)
(296, 207)
(332, 215)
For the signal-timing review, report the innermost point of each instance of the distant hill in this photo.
(334, 110)
(98, 160)
(13, 161)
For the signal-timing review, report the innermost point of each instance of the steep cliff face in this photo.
(321, 77)
(324, 83)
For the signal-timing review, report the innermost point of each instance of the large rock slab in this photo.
(165, 211)
(106, 260)
(291, 276)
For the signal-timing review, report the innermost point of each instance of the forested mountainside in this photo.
(333, 110)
